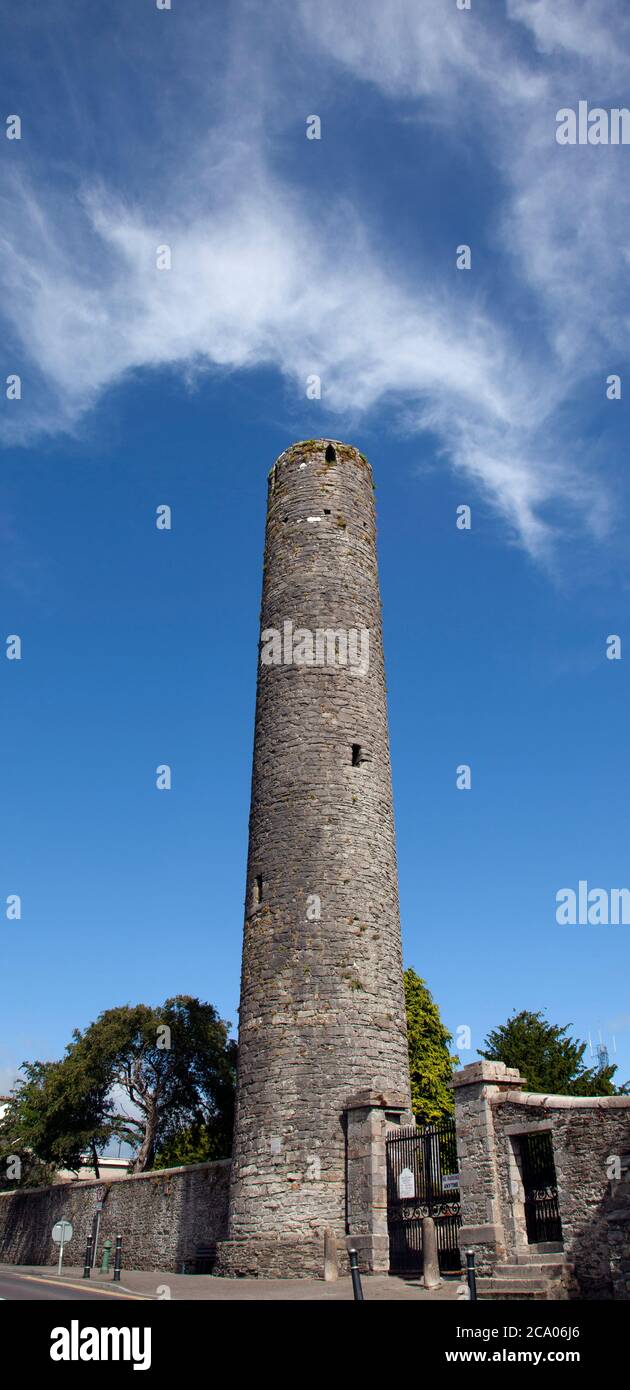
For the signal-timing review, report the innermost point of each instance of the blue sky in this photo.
(290, 257)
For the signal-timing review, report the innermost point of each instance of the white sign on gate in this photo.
(450, 1182)
(406, 1183)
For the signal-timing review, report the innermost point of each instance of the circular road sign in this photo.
(62, 1232)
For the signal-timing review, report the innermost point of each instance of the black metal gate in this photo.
(422, 1180)
(542, 1214)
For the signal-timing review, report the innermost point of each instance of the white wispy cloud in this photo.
(258, 279)
(419, 50)
(595, 33)
(564, 218)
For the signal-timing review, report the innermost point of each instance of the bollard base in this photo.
(372, 1253)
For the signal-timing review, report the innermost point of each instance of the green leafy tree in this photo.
(430, 1060)
(547, 1058)
(18, 1164)
(57, 1111)
(139, 1074)
(173, 1067)
(202, 1142)
(32, 1173)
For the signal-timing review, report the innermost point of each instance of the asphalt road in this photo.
(28, 1287)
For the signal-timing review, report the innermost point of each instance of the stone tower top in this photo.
(344, 452)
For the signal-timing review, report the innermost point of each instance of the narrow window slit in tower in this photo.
(356, 755)
(258, 889)
(326, 511)
(331, 456)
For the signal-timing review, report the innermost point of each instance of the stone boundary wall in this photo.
(163, 1217)
(588, 1135)
(493, 1109)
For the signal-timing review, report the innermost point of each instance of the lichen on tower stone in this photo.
(322, 1012)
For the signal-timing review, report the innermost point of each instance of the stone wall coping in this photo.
(84, 1184)
(551, 1102)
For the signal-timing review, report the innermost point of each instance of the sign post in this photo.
(96, 1230)
(61, 1233)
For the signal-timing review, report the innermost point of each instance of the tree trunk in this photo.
(144, 1156)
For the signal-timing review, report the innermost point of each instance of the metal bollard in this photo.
(88, 1258)
(356, 1277)
(470, 1275)
(107, 1250)
(117, 1259)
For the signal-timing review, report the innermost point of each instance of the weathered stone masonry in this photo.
(322, 1012)
(163, 1217)
(493, 1109)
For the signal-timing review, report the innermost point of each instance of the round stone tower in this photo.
(322, 1014)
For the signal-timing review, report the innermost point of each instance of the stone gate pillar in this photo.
(369, 1115)
(482, 1226)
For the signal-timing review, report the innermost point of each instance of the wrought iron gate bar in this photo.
(542, 1212)
(425, 1155)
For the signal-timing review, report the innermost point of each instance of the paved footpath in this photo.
(36, 1281)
